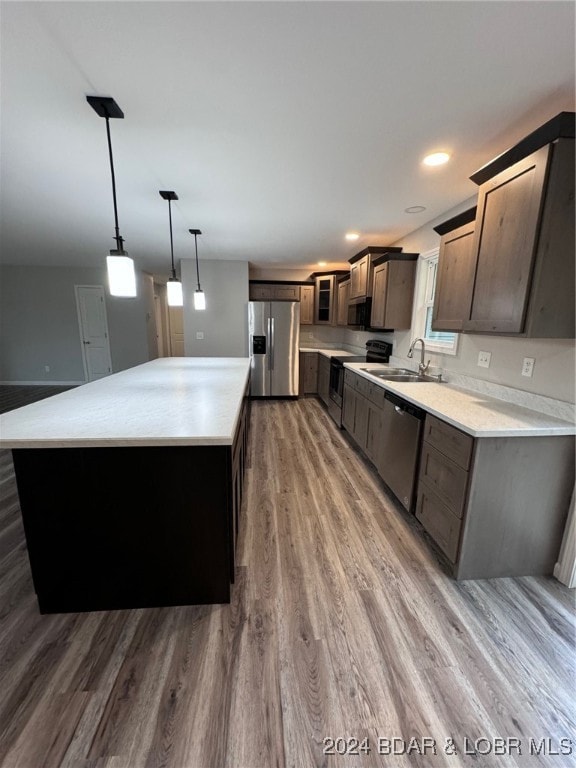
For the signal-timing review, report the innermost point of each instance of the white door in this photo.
(176, 319)
(93, 331)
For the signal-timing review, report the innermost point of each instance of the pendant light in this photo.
(199, 296)
(121, 274)
(173, 286)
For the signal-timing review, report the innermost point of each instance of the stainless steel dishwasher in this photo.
(401, 437)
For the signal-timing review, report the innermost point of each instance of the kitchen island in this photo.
(130, 486)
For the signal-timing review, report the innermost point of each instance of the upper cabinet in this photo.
(306, 304)
(343, 298)
(359, 278)
(326, 296)
(523, 247)
(268, 291)
(455, 275)
(362, 269)
(325, 300)
(393, 291)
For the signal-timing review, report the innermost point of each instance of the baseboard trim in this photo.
(42, 383)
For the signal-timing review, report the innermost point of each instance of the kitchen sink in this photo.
(399, 374)
(389, 371)
(405, 377)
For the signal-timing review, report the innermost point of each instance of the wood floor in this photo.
(343, 626)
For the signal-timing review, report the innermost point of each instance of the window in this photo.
(443, 342)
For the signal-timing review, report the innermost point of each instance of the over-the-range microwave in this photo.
(359, 312)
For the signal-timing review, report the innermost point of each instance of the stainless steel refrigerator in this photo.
(274, 337)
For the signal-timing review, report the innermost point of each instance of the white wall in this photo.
(224, 322)
(39, 324)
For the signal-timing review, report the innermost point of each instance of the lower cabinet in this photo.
(362, 413)
(441, 524)
(308, 373)
(495, 506)
(324, 378)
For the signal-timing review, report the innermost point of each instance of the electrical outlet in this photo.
(528, 366)
(484, 359)
(199, 334)
(47, 368)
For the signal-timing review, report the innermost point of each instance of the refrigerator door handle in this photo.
(271, 357)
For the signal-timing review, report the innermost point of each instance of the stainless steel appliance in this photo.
(359, 311)
(376, 352)
(274, 334)
(402, 425)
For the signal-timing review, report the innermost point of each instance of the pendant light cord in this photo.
(118, 238)
(171, 240)
(197, 270)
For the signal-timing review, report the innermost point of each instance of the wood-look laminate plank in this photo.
(343, 623)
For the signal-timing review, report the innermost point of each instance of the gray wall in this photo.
(224, 322)
(39, 324)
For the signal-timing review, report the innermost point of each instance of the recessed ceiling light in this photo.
(415, 209)
(352, 235)
(436, 158)
(322, 263)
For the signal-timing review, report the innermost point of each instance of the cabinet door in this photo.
(358, 278)
(324, 300)
(306, 305)
(454, 279)
(287, 292)
(343, 294)
(440, 523)
(348, 409)
(361, 421)
(378, 315)
(323, 378)
(261, 292)
(374, 434)
(308, 373)
(505, 239)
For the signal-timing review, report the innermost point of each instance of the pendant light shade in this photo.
(199, 296)
(173, 286)
(174, 294)
(121, 273)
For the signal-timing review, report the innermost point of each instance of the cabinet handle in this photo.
(399, 410)
(85, 342)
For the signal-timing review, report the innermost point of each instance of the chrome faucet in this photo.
(422, 366)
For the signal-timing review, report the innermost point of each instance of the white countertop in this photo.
(330, 352)
(169, 401)
(476, 414)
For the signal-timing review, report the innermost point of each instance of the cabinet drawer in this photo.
(363, 386)
(444, 477)
(377, 394)
(448, 440)
(441, 524)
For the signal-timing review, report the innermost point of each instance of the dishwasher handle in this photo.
(403, 406)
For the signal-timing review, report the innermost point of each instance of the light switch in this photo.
(199, 334)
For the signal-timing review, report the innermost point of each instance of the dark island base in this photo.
(112, 528)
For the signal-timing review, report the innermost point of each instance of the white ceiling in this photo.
(280, 125)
